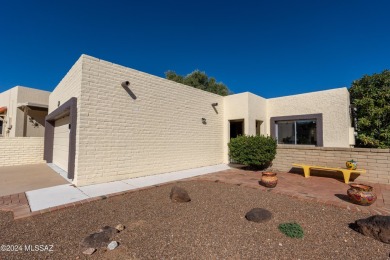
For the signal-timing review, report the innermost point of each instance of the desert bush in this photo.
(254, 151)
(293, 230)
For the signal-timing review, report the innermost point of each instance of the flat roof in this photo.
(30, 104)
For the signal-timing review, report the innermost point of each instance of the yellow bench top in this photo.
(346, 172)
(328, 168)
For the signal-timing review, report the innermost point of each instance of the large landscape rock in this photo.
(179, 195)
(376, 226)
(258, 215)
(99, 239)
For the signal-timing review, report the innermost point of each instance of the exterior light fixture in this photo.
(214, 104)
(204, 121)
(125, 84)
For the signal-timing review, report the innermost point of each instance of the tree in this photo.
(199, 79)
(371, 96)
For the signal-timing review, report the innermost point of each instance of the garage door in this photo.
(61, 143)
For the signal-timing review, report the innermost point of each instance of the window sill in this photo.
(297, 145)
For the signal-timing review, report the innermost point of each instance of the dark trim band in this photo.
(317, 117)
(68, 108)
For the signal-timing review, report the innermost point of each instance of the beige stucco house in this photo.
(23, 111)
(107, 122)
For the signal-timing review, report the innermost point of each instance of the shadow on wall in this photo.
(37, 117)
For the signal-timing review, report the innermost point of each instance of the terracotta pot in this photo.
(351, 165)
(361, 194)
(269, 179)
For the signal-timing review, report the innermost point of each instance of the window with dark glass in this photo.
(297, 132)
(1, 126)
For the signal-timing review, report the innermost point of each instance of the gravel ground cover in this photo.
(211, 226)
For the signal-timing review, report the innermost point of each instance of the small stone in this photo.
(280, 244)
(258, 215)
(89, 251)
(112, 245)
(179, 195)
(120, 227)
(376, 226)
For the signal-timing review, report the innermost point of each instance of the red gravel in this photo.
(212, 226)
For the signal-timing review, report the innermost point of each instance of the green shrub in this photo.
(293, 230)
(254, 151)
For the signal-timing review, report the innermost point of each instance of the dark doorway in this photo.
(236, 128)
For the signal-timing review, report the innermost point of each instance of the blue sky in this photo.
(270, 48)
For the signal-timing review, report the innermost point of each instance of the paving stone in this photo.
(325, 190)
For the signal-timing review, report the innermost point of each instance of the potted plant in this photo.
(269, 179)
(361, 194)
(351, 164)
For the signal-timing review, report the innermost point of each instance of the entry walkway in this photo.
(18, 179)
(326, 190)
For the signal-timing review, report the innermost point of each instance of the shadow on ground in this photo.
(343, 197)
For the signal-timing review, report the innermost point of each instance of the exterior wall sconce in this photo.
(204, 121)
(214, 107)
(125, 84)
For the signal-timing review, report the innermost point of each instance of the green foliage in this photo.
(200, 80)
(255, 151)
(293, 230)
(371, 96)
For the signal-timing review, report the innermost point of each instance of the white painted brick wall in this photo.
(160, 131)
(333, 104)
(21, 150)
(69, 86)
